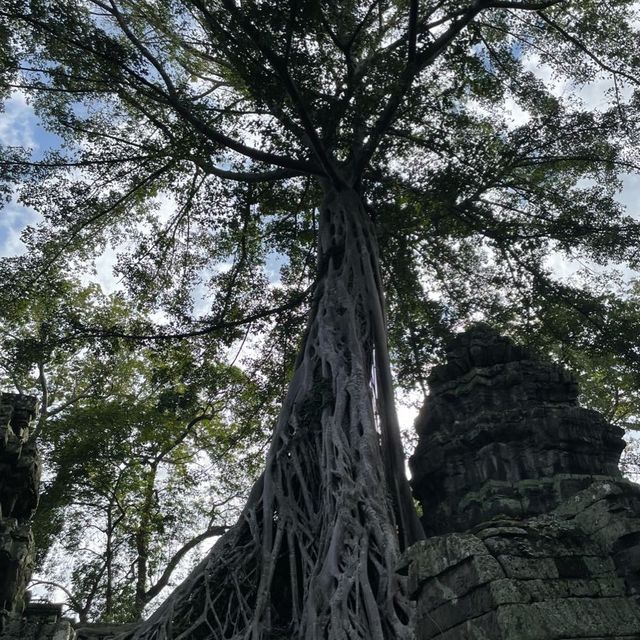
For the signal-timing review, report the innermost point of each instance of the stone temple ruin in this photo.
(20, 469)
(532, 533)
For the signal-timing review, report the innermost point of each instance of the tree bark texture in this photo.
(314, 553)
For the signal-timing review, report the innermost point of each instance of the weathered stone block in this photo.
(492, 437)
(433, 556)
(457, 581)
(538, 535)
(39, 621)
(19, 480)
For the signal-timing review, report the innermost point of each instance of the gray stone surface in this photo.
(543, 578)
(502, 434)
(533, 534)
(20, 470)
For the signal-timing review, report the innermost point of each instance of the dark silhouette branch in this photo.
(413, 30)
(280, 68)
(579, 45)
(227, 324)
(173, 100)
(173, 563)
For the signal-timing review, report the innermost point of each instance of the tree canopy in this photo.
(348, 181)
(124, 434)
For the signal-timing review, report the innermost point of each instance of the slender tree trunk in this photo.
(313, 555)
(108, 605)
(142, 538)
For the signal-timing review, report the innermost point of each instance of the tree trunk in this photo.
(142, 539)
(108, 598)
(314, 552)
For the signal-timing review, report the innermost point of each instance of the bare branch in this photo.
(229, 324)
(173, 563)
(411, 70)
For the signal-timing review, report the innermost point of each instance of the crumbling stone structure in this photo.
(532, 532)
(19, 481)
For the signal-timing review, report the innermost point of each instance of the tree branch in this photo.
(526, 6)
(172, 100)
(579, 45)
(162, 582)
(411, 70)
(95, 332)
(425, 58)
(279, 66)
(248, 176)
(73, 603)
(100, 214)
(413, 31)
(181, 438)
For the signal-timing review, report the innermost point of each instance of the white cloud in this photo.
(104, 266)
(17, 129)
(630, 194)
(517, 116)
(13, 220)
(17, 123)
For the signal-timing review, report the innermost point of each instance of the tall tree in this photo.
(377, 136)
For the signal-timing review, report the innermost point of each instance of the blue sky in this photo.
(19, 128)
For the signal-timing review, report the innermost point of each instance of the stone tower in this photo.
(532, 532)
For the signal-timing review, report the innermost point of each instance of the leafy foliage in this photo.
(125, 433)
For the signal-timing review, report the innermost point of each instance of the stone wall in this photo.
(38, 621)
(19, 481)
(532, 532)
